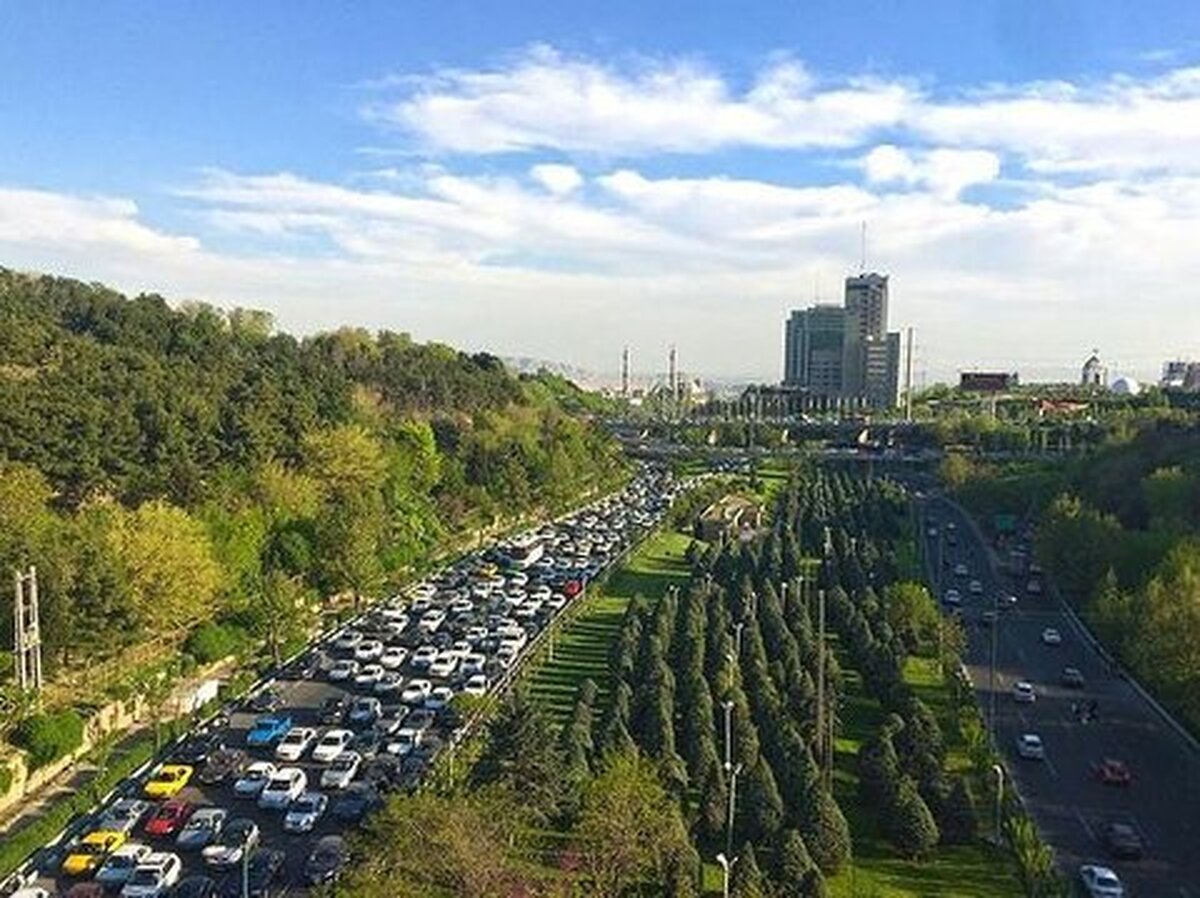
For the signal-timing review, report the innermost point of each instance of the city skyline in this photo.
(561, 189)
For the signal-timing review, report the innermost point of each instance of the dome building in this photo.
(1126, 386)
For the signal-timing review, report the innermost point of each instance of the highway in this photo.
(1068, 802)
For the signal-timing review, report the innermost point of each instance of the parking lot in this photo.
(361, 713)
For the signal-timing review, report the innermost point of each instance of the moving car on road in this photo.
(153, 876)
(1112, 772)
(168, 780)
(86, 857)
(239, 835)
(268, 730)
(203, 827)
(1051, 636)
(252, 780)
(1123, 840)
(1023, 692)
(295, 743)
(303, 813)
(285, 786)
(119, 866)
(1030, 746)
(326, 861)
(222, 765)
(1100, 882)
(169, 818)
(1072, 678)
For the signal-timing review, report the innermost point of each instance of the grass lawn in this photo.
(581, 645)
(960, 871)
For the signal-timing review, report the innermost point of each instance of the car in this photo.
(368, 650)
(85, 890)
(393, 657)
(253, 778)
(368, 676)
(222, 765)
(342, 670)
(124, 814)
(168, 818)
(960, 570)
(265, 701)
(1072, 678)
(153, 876)
(326, 861)
(297, 741)
(1030, 747)
(167, 780)
(333, 710)
(1034, 587)
(423, 657)
(975, 587)
(389, 683)
(477, 685)
(366, 744)
(330, 745)
(416, 692)
(1100, 882)
(238, 836)
(364, 711)
(285, 786)
(262, 876)
(347, 640)
(1123, 840)
(341, 772)
(1051, 636)
(355, 802)
(195, 750)
(953, 597)
(1008, 601)
(1023, 692)
(119, 866)
(1112, 772)
(203, 827)
(304, 812)
(444, 667)
(404, 741)
(196, 886)
(439, 698)
(268, 730)
(86, 857)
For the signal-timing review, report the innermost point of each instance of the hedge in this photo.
(212, 641)
(6, 778)
(48, 737)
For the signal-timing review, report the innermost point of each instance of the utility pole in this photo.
(726, 863)
(671, 383)
(733, 777)
(728, 706)
(625, 373)
(908, 377)
(27, 638)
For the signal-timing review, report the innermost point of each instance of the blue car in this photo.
(268, 730)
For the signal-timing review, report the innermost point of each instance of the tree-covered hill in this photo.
(164, 466)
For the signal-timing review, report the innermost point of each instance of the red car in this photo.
(572, 588)
(168, 818)
(1112, 772)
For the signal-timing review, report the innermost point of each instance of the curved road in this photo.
(1070, 805)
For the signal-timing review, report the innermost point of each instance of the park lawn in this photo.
(958, 871)
(581, 645)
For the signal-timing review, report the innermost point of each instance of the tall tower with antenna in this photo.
(672, 387)
(625, 373)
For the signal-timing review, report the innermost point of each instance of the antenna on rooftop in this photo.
(863, 263)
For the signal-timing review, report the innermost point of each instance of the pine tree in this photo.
(958, 819)
(825, 831)
(878, 771)
(792, 862)
(747, 880)
(523, 754)
(762, 808)
(913, 829)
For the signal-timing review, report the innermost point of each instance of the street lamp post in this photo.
(999, 771)
(726, 863)
(737, 637)
(246, 866)
(728, 706)
(733, 777)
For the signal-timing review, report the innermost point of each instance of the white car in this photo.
(303, 813)
(423, 591)
(1101, 882)
(119, 866)
(368, 676)
(540, 593)
(432, 620)
(124, 815)
(368, 650)
(960, 570)
(365, 710)
(283, 788)
(332, 744)
(1033, 587)
(439, 698)
(297, 741)
(152, 878)
(342, 771)
(953, 597)
(507, 654)
(556, 601)
(239, 835)
(462, 606)
(517, 578)
(444, 667)
(1023, 693)
(342, 670)
(393, 657)
(473, 663)
(1051, 636)
(1030, 747)
(404, 741)
(975, 587)
(477, 685)
(253, 779)
(423, 657)
(416, 692)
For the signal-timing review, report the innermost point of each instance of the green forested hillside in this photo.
(164, 467)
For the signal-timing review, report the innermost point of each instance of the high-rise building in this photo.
(846, 351)
(814, 344)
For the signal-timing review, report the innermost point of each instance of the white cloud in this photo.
(545, 99)
(558, 179)
(945, 172)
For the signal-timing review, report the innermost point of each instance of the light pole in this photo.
(246, 865)
(728, 706)
(726, 867)
(733, 775)
(999, 771)
(737, 637)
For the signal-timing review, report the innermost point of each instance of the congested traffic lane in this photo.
(1071, 805)
(476, 618)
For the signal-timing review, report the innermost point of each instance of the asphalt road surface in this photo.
(1071, 806)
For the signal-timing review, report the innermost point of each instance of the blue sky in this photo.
(561, 179)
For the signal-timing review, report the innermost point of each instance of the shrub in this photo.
(48, 737)
(211, 642)
(6, 778)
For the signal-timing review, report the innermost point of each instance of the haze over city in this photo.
(559, 182)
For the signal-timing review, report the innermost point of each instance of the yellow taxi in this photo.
(86, 857)
(168, 780)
